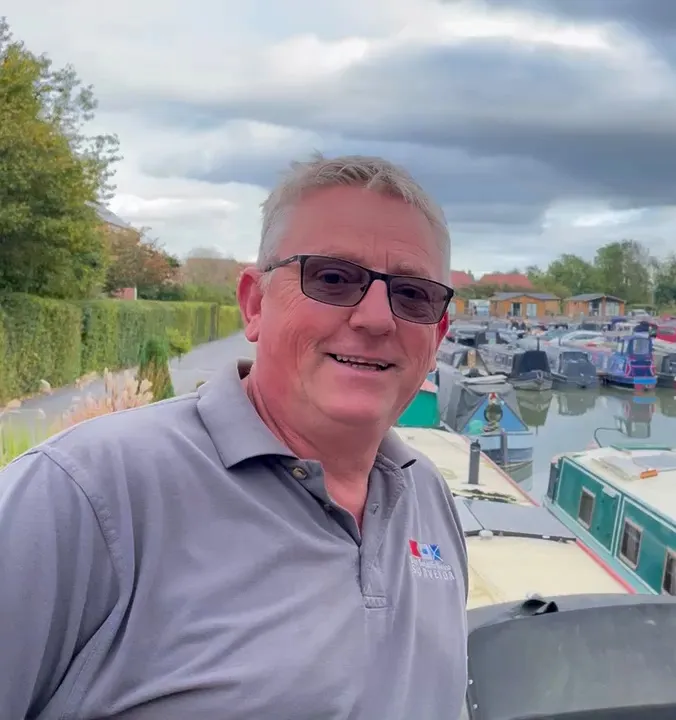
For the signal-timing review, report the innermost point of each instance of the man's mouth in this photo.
(362, 363)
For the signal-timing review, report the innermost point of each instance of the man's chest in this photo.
(278, 619)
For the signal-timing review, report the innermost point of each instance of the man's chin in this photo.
(359, 412)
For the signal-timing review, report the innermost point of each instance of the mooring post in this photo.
(474, 461)
(504, 450)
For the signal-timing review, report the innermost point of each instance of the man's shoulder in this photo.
(122, 448)
(145, 427)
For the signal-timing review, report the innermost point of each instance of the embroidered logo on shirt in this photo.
(426, 561)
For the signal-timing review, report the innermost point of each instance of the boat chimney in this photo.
(474, 460)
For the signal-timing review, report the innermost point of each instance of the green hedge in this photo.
(60, 341)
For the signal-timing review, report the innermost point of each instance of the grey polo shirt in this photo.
(177, 562)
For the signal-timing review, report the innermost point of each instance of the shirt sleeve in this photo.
(57, 580)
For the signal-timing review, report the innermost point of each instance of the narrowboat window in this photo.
(669, 577)
(630, 543)
(641, 346)
(586, 510)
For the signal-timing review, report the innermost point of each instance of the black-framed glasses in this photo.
(334, 281)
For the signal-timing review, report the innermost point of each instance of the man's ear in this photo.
(250, 299)
(442, 329)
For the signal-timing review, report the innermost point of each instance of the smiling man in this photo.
(258, 549)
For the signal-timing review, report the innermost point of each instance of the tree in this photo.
(544, 282)
(51, 174)
(137, 260)
(574, 273)
(624, 270)
(665, 281)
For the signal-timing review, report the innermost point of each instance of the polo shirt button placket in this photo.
(299, 473)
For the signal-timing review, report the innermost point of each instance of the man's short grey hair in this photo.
(372, 173)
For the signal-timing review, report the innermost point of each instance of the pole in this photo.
(474, 462)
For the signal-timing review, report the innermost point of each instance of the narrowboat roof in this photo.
(515, 547)
(622, 469)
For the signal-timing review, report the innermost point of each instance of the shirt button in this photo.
(299, 473)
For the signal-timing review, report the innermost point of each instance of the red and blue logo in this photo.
(422, 551)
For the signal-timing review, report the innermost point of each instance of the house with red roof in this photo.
(507, 280)
(460, 279)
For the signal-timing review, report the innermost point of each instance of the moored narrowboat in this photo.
(621, 503)
(571, 367)
(525, 369)
(627, 363)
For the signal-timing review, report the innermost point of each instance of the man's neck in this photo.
(346, 454)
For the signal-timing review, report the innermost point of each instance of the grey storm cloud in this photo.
(497, 130)
(642, 16)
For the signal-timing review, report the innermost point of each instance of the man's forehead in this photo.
(388, 247)
(392, 262)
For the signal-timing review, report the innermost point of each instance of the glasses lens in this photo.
(418, 300)
(334, 282)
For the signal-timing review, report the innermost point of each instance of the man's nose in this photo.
(373, 313)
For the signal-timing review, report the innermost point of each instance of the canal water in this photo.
(565, 421)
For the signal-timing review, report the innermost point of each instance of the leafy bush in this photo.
(154, 368)
(42, 342)
(179, 344)
(229, 320)
(57, 341)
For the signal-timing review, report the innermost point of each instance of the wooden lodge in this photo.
(529, 305)
(594, 305)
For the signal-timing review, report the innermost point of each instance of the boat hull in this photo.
(564, 382)
(535, 380)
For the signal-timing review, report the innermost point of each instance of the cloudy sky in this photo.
(541, 126)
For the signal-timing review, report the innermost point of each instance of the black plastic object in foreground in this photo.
(574, 658)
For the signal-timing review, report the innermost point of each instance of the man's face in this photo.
(297, 337)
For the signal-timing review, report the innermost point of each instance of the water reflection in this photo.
(566, 421)
(576, 402)
(667, 404)
(534, 407)
(634, 416)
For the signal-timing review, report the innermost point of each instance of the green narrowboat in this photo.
(621, 503)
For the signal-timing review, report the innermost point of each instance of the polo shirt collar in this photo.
(238, 432)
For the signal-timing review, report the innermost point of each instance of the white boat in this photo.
(517, 549)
